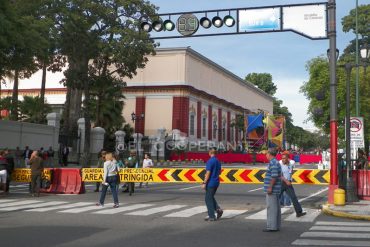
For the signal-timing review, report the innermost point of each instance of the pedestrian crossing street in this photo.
(141, 209)
(328, 233)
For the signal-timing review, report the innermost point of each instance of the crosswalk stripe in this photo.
(156, 210)
(341, 228)
(309, 217)
(232, 213)
(311, 242)
(85, 209)
(335, 235)
(188, 212)
(6, 200)
(34, 205)
(73, 205)
(122, 209)
(10, 204)
(331, 223)
(261, 215)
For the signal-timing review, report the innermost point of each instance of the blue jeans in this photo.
(284, 199)
(211, 203)
(289, 190)
(112, 181)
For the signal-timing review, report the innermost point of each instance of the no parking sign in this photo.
(357, 132)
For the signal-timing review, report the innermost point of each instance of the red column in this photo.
(199, 120)
(219, 124)
(140, 109)
(180, 114)
(210, 122)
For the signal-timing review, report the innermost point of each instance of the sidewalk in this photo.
(356, 210)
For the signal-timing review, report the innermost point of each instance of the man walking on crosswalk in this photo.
(272, 188)
(210, 184)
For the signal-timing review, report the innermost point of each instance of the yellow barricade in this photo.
(24, 175)
(196, 175)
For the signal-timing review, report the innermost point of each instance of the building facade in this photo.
(181, 89)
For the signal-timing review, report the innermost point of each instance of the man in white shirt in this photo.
(147, 163)
(286, 185)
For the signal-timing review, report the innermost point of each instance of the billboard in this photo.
(252, 20)
(309, 20)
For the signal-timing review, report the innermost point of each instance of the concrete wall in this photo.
(17, 134)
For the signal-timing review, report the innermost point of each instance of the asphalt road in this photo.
(160, 215)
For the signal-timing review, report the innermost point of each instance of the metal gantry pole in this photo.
(357, 66)
(350, 186)
(333, 99)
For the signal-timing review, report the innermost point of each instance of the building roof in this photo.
(245, 83)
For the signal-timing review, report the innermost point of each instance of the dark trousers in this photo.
(211, 202)
(289, 190)
(97, 186)
(112, 183)
(8, 179)
(65, 160)
(35, 183)
(131, 187)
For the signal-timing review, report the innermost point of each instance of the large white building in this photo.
(181, 89)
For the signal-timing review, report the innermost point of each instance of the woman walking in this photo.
(109, 179)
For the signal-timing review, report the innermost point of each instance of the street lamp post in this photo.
(350, 186)
(134, 118)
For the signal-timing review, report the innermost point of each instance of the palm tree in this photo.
(33, 110)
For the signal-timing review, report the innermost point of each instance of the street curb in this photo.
(328, 211)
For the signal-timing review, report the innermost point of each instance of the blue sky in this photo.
(283, 55)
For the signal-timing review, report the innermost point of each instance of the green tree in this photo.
(106, 33)
(106, 104)
(317, 89)
(23, 43)
(33, 110)
(263, 81)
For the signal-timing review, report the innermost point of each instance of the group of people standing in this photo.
(22, 157)
(7, 162)
(112, 164)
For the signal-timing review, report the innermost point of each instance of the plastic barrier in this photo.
(67, 181)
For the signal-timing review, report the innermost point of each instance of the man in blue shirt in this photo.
(272, 188)
(210, 184)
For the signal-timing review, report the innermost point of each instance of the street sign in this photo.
(357, 132)
(259, 19)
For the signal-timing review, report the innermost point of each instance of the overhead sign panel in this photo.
(309, 20)
(252, 20)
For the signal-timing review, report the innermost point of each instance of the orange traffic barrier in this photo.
(67, 181)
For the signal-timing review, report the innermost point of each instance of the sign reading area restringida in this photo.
(126, 175)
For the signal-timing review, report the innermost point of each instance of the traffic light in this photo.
(205, 22)
(168, 25)
(229, 21)
(187, 24)
(217, 22)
